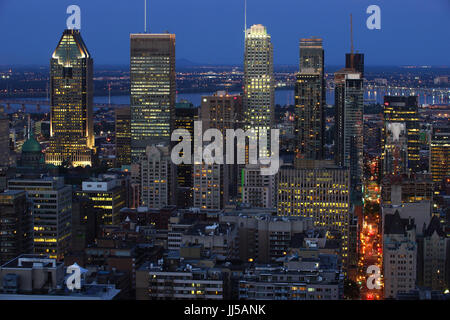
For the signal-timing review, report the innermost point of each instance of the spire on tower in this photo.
(145, 16)
(245, 18)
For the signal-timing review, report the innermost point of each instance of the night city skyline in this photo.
(225, 158)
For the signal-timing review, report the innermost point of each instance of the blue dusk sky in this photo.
(413, 32)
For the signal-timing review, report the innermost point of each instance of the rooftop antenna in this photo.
(145, 16)
(245, 18)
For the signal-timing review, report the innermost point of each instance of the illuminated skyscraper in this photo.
(259, 90)
(349, 104)
(152, 76)
(71, 81)
(310, 100)
(404, 110)
(440, 153)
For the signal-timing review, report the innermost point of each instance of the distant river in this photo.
(282, 97)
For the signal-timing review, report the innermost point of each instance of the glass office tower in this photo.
(349, 104)
(259, 90)
(152, 76)
(404, 110)
(310, 100)
(71, 82)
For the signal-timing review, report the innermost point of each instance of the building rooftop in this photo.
(27, 261)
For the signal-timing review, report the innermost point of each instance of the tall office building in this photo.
(16, 227)
(259, 89)
(349, 108)
(440, 153)
(123, 136)
(318, 190)
(4, 139)
(185, 115)
(404, 110)
(107, 196)
(152, 76)
(71, 84)
(223, 111)
(395, 160)
(310, 100)
(52, 213)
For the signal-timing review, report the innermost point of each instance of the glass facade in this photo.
(71, 81)
(310, 100)
(259, 90)
(152, 76)
(404, 110)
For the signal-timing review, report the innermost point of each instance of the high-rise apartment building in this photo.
(209, 186)
(399, 255)
(310, 100)
(349, 108)
(223, 111)
(71, 84)
(262, 237)
(52, 213)
(258, 190)
(259, 87)
(16, 225)
(123, 136)
(156, 177)
(152, 77)
(404, 110)
(435, 256)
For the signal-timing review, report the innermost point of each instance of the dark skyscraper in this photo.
(355, 61)
(71, 82)
(4, 138)
(153, 90)
(185, 115)
(123, 136)
(310, 100)
(16, 225)
(349, 105)
(405, 110)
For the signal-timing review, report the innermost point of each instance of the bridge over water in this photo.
(27, 104)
